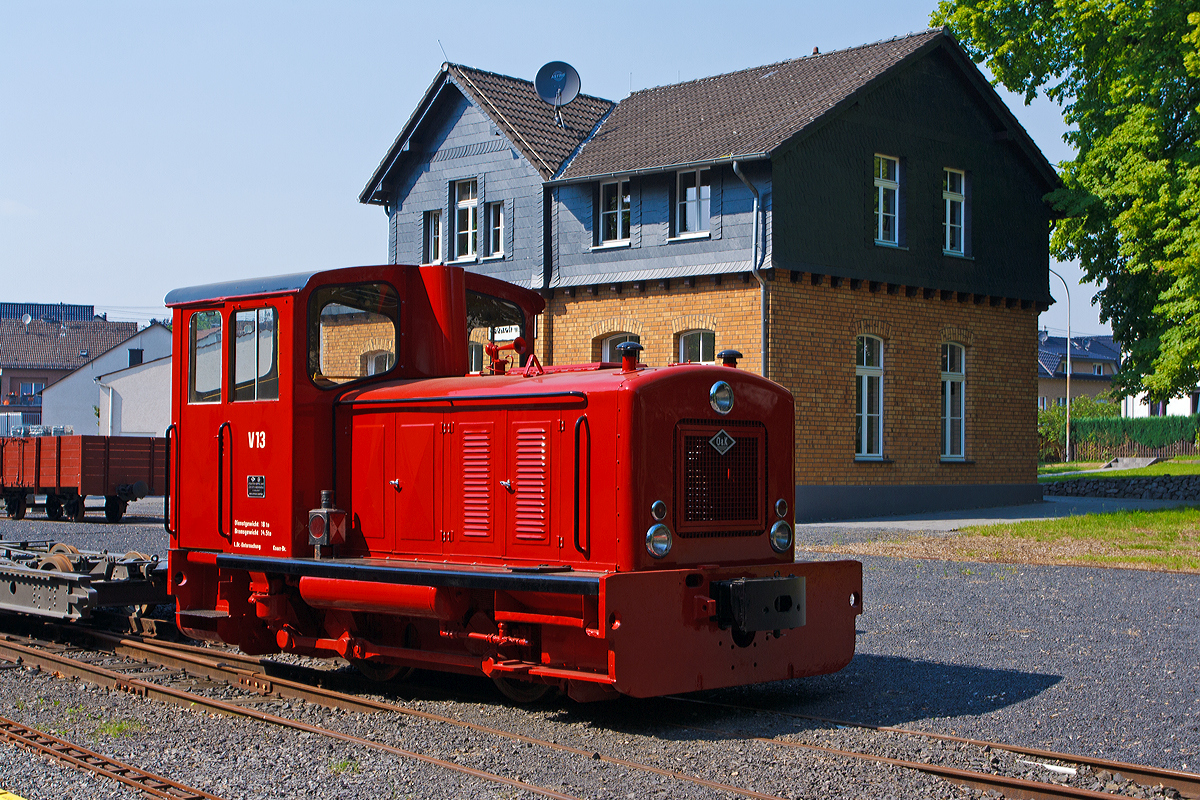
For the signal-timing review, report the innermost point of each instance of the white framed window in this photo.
(1043, 403)
(693, 201)
(608, 351)
(466, 219)
(953, 201)
(698, 347)
(432, 254)
(475, 357)
(614, 212)
(1097, 369)
(495, 226)
(953, 400)
(868, 397)
(887, 200)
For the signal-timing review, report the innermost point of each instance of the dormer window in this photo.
(614, 212)
(694, 196)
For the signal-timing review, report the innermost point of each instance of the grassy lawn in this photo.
(1167, 538)
(1185, 465)
(1162, 539)
(1074, 466)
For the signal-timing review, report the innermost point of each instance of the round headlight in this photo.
(781, 507)
(658, 540)
(720, 397)
(781, 537)
(658, 510)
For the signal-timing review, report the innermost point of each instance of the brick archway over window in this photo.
(872, 327)
(953, 333)
(604, 328)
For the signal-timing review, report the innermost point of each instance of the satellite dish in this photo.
(557, 83)
(26, 319)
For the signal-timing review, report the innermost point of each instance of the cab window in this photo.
(255, 358)
(352, 332)
(204, 363)
(490, 319)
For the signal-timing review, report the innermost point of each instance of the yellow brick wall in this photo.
(812, 338)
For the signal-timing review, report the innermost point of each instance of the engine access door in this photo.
(500, 483)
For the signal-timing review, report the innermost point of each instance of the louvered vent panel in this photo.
(477, 484)
(721, 494)
(532, 485)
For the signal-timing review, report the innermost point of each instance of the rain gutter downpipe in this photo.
(762, 283)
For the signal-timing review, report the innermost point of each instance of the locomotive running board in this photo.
(362, 569)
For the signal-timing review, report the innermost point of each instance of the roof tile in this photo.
(53, 345)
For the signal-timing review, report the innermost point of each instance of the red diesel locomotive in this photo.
(341, 483)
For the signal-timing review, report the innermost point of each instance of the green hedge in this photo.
(1148, 431)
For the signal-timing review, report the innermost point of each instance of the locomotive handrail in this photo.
(532, 399)
(582, 422)
(221, 479)
(167, 480)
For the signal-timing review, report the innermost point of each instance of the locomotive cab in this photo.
(359, 472)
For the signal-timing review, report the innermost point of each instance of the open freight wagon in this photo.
(69, 469)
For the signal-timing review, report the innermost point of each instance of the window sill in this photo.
(465, 260)
(689, 237)
(953, 254)
(497, 257)
(890, 245)
(613, 245)
(873, 460)
(949, 460)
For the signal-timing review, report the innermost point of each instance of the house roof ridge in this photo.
(782, 62)
(514, 78)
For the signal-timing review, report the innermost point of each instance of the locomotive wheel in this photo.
(63, 547)
(15, 506)
(381, 672)
(56, 562)
(521, 691)
(54, 507)
(114, 509)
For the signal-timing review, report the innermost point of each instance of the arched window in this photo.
(953, 401)
(378, 362)
(698, 347)
(868, 400)
(608, 351)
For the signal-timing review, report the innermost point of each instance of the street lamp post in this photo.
(1068, 291)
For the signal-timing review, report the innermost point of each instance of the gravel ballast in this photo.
(1081, 660)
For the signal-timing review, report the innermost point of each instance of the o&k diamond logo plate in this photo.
(722, 442)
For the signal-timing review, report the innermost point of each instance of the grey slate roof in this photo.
(517, 111)
(1052, 351)
(55, 345)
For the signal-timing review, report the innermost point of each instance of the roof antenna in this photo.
(557, 84)
(439, 41)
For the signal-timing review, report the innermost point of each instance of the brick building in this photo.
(57, 340)
(866, 224)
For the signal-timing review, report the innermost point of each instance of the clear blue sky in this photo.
(150, 145)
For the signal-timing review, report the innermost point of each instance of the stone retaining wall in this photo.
(1162, 487)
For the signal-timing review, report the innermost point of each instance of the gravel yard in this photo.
(1094, 661)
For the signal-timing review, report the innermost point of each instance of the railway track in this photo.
(251, 674)
(1185, 784)
(90, 761)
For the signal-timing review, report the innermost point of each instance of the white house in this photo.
(1137, 406)
(74, 399)
(136, 401)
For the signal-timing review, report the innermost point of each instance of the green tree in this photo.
(1127, 77)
